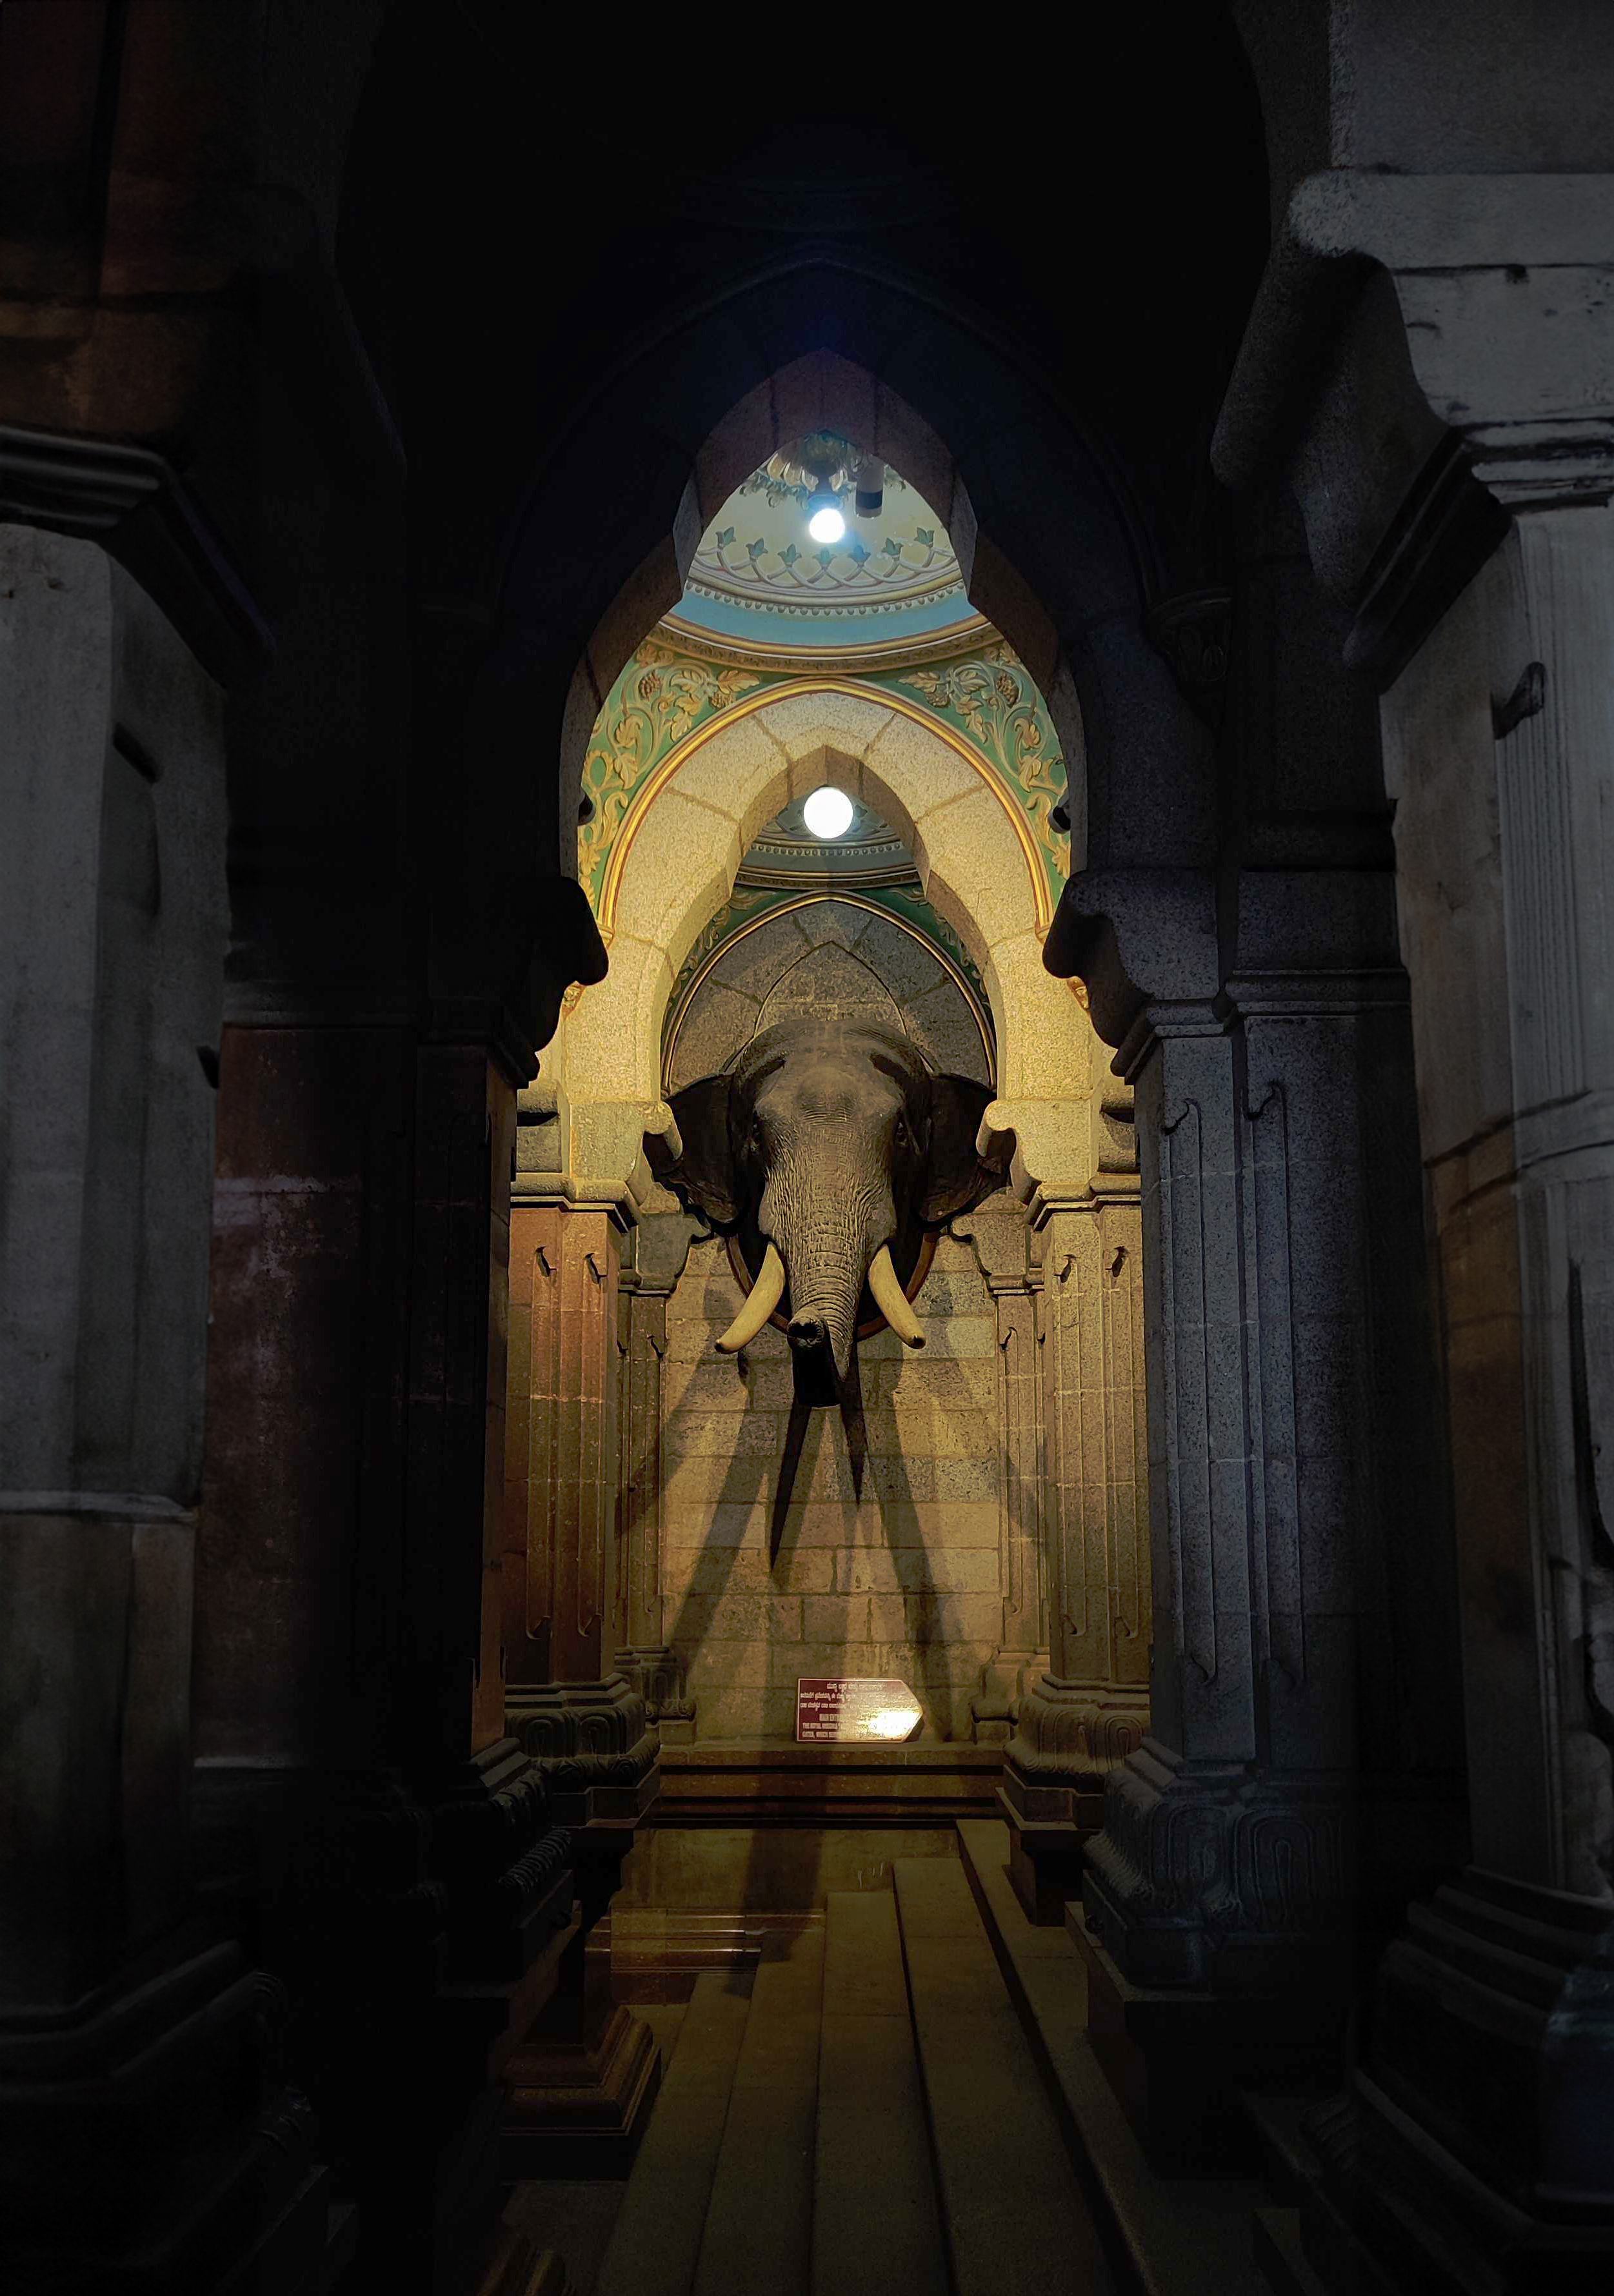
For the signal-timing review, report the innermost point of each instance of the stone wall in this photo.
(906, 1583)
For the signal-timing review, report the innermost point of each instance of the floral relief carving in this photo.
(658, 700)
(665, 697)
(990, 697)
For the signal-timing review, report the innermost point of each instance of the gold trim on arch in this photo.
(629, 827)
(960, 978)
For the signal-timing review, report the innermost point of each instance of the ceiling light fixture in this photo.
(827, 812)
(825, 522)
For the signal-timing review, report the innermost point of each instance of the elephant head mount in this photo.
(829, 1150)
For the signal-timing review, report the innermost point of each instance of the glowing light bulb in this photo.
(827, 524)
(827, 812)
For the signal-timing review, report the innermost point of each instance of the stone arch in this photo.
(1058, 558)
(680, 864)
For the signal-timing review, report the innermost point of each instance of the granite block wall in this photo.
(907, 1582)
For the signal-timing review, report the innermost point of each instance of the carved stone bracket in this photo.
(1191, 630)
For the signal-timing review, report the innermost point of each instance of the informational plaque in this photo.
(842, 1709)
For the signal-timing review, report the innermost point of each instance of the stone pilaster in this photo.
(1091, 1708)
(1472, 2147)
(646, 1657)
(578, 2088)
(1078, 1714)
(146, 2138)
(1456, 477)
(998, 1235)
(1296, 1781)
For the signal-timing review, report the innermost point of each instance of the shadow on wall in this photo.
(904, 1583)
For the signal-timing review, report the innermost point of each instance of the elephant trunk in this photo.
(828, 1227)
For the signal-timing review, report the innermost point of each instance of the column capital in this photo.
(139, 510)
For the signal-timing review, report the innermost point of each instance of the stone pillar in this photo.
(1091, 1708)
(144, 2140)
(647, 1660)
(578, 2089)
(1482, 2088)
(1297, 1779)
(1089, 1705)
(354, 1774)
(999, 1234)
(1446, 431)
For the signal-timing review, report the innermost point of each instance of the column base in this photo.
(122, 2165)
(576, 2109)
(1216, 1878)
(595, 1745)
(505, 1870)
(1390, 2209)
(1474, 2148)
(1069, 1736)
(1176, 2058)
(656, 1673)
(1005, 1679)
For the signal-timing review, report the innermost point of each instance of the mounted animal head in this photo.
(828, 1151)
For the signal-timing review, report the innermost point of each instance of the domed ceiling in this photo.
(758, 577)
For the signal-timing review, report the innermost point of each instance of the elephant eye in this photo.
(902, 1134)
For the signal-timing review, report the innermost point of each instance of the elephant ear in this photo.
(956, 1177)
(702, 1176)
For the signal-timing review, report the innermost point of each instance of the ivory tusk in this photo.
(765, 1295)
(890, 1299)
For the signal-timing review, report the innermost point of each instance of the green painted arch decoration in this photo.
(665, 696)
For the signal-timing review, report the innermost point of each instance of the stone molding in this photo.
(136, 505)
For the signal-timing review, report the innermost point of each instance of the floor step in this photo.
(875, 2223)
(657, 2241)
(1181, 2235)
(759, 2224)
(1013, 2217)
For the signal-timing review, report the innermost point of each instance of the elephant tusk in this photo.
(765, 1295)
(890, 1299)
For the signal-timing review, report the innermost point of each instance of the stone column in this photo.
(1488, 2057)
(1091, 1708)
(129, 2023)
(999, 1234)
(1088, 1706)
(1297, 1778)
(1446, 431)
(661, 1247)
(579, 2087)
